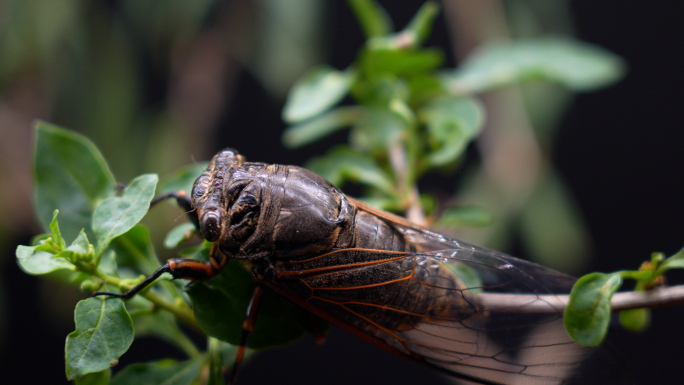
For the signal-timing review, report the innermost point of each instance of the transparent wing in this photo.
(435, 306)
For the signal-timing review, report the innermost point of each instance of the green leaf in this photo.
(70, 175)
(320, 88)
(373, 19)
(40, 262)
(635, 320)
(98, 378)
(104, 331)
(452, 123)
(461, 216)
(376, 130)
(79, 250)
(674, 262)
(117, 215)
(161, 324)
(587, 314)
(56, 234)
(320, 126)
(343, 163)
(573, 64)
(377, 62)
(179, 234)
(220, 305)
(421, 24)
(164, 372)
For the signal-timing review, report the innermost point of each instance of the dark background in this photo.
(620, 150)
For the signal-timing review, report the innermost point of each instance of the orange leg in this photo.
(247, 328)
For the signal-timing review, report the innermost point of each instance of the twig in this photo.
(529, 303)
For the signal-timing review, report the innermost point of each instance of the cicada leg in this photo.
(247, 328)
(179, 268)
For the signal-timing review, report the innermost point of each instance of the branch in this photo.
(529, 303)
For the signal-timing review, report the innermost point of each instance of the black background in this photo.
(620, 150)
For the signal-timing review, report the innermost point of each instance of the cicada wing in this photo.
(429, 306)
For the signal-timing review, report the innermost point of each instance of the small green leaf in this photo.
(343, 163)
(373, 19)
(320, 126)
(70, 175)
(167, 372)
(117, 215)
(576, 65)
(79, 250)
(98, 378)
(635, 320)
(674, 262)
(421, 24)
(104, 331)
(587, 314)
(452, 123)
(179, 234)
(220, 305)
(319, 89)
(56, 234)
(461, 216)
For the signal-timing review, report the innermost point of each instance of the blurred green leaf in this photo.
(70, 175)
(319, 89)
(587, 314)
(576, 65)
(421, 24)
(179, 234)
(220, 305)
(377, 62)
(373, 19)
(117, 215)
(343, 163)
(460, 216)
(674, 262)
(635, 320)
(216, 376)
(320, 126)
(551, 227)
(376, 130)
(452, 123)
(166, 372)
(104, 331)
(98, 378)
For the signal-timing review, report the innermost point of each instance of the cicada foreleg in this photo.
(179, 268)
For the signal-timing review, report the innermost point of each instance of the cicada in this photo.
(474, 313)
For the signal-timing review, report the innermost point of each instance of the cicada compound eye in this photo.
(210, 226)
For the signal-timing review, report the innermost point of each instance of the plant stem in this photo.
(530, 303)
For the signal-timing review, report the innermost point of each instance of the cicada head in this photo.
(254, 210)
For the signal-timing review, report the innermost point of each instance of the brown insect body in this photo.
(393, 283)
